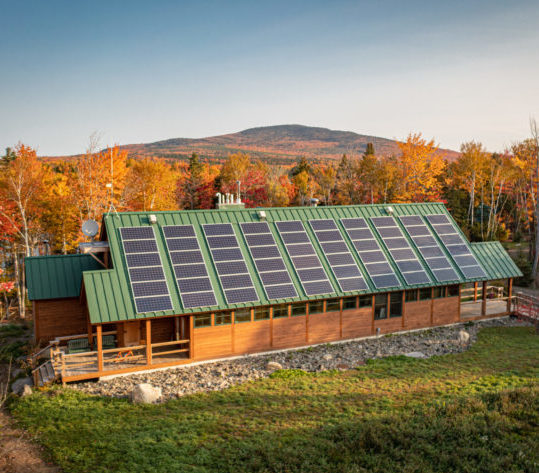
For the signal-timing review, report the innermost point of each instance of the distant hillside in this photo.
(277, 144)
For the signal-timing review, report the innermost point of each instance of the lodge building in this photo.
(160, 289)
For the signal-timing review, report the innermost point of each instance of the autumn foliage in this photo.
(43, 203)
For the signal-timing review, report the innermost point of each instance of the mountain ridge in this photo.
(277, 144)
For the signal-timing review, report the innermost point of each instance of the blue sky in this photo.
(143, 71)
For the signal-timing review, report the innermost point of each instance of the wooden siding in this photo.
(212, 342)
(417, 314)
(289, 332)
(251, 337)
(393, 324)
(57, 318)
(357, 323)
(445, 311)
(324, 327)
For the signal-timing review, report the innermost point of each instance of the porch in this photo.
(88, 356)
(481, 300)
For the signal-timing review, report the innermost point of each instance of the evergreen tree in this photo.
(369, 151)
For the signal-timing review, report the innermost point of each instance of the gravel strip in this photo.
(176, 382)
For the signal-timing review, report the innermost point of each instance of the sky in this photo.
(141, 71)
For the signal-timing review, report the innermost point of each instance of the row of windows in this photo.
(385, 305)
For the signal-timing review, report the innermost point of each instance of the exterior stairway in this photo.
(45, 374)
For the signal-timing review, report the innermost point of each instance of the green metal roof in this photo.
(109, 293)
(56, 277)
(495, 260)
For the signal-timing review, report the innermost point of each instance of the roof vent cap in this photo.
(262, 215)
(389, 210)
(152, 218)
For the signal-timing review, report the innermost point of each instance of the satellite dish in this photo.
(90, 228)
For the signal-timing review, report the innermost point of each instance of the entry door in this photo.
(132, 333)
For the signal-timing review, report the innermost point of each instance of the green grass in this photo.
(473, 412)
(9, 348)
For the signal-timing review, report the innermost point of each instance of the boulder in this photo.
(26, 391)
(415, 354)
(273, 365)
(327, 357)
(464, 337)
(19, 384)
(145, 393)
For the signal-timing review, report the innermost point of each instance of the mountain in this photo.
(279, 144)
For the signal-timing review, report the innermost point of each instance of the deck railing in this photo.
(117, 359)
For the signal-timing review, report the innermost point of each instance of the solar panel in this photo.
(192, 279)
(429, 248)
(237, 289)
(401, 250)
(215, 229)
(235, 296)
(268, 260)
(369, 251)
(137, 233)
(338, 254)
(179, 231)
(145, 268)
(152, 304)
(457, 246)
(298, 243)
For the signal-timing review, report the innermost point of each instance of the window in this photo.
(333, 305)
(453, 291)
(242, 315)
(438, 292)
(395, 304)
(203, 320)
(425, 293)
(411, 295)
(262, 313)
(365, 301)
(223, 318)
(349, 303)
(380, 306)
(316, 307)
(299, 309)
(280, 311)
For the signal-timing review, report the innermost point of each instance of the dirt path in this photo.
(18, 454)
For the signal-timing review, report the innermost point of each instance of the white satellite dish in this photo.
(90, 228)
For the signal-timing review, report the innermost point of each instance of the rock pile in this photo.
(223, 374)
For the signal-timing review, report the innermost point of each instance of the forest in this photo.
(44, 202)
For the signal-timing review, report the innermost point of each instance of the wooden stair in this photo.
(45, 374)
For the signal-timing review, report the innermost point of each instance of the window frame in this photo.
(337, 300)
(200, 317)
(320, 304)
(382, 305)
(296, 306)
(259, 310)
(221, 315)
(348, 299)
(236, 321)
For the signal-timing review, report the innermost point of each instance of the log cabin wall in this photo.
(57, 318)
(418, 314)
(445, 310)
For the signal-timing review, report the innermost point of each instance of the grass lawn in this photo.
(473, 412)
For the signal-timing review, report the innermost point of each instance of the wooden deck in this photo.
(474, 308)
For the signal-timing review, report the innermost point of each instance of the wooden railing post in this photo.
(509, 294)
(148, 342)
(99, 336)
(484, 301)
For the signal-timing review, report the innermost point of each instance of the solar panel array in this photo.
(429, 248)
(145, 268)
(310, 271)
(268, 260)
(340, 259)
(457, 247)
(400, 250)
(372, 256)
(230, 263)
(190, 270)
